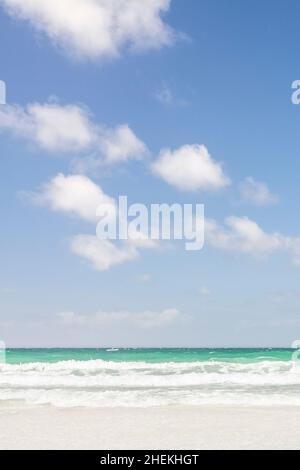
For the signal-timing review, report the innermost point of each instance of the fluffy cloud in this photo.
(96, 29)
(246, 236)
(70, 129)
(74, 194)
(256, 193)
(102, 254)
(147, 319)
(243, 235)
(52, 127)
(121, 144)
(190, 168)
(78, 195)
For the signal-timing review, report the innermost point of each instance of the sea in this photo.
(116, 377)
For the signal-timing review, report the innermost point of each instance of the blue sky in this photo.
(220, 77)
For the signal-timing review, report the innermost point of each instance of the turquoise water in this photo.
(150, 377)
(21, 356)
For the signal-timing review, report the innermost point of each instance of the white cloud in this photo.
(80, 196)
(166, 96)
(256, 193)
(97, 29)
(70, 129)
(147, 319)
(190, 168)
(240, 234)
(52, 127)
(243, 235)
(121, 144)
(74, 194)
(102, 254)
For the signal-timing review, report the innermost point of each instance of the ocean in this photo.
(149, 377)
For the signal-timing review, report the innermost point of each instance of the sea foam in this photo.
(99, 383)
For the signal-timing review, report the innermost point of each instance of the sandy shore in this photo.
(156, 428)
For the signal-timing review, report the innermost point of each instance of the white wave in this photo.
(100, 365)
(101, 383)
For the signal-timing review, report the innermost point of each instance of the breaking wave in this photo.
(99, 383)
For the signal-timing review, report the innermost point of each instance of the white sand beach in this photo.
(150, 428)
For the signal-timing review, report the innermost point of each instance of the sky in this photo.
(178, 101)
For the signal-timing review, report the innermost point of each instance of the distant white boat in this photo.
(112, 350)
